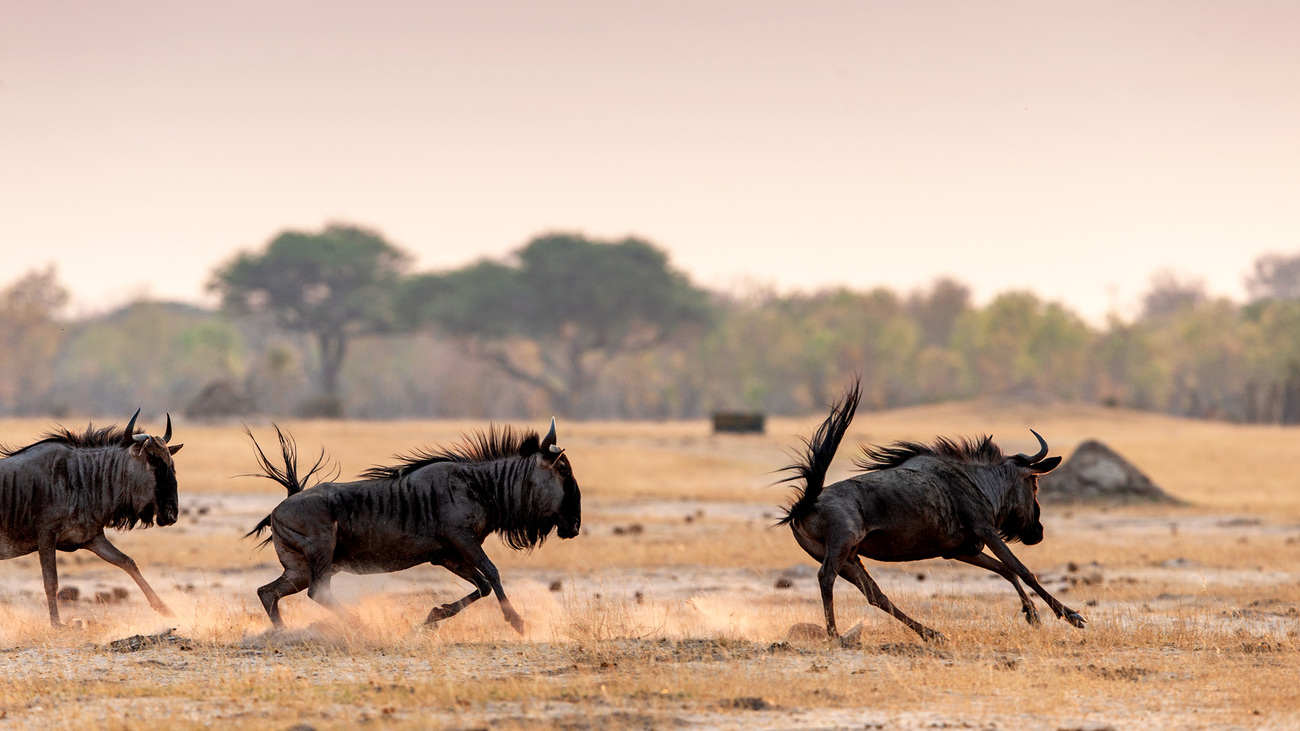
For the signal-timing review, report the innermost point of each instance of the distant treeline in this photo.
(331, 323)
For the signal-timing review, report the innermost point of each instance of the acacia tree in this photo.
(334, 285)
(560, 309)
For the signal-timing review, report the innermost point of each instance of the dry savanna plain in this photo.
(674, 606)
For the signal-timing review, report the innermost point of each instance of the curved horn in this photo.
(1042, 450)
(548, 441)
(167, 435)
(141, 437)
(130, 429)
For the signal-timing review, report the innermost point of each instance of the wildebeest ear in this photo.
(174, 448)
(529, 446)
(1046, 465)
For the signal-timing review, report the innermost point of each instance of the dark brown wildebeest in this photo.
(60, 493)
(434, 507)
(916, 501)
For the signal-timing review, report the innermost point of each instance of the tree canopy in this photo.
(559, 308)
(334, 284)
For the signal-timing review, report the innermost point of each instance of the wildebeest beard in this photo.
(166, 503)
(1016, 526)
(514, 510)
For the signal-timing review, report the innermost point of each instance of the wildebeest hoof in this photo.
(1074, 618)
(516, 621)
(1031, 614)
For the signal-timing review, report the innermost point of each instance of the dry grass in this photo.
(1195, 611)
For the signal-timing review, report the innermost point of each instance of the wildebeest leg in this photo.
(45, 548)
(985, 561)
(470, 574)
(855, 573)
(1005, 555)
(833, 562)
(319, 590)
(319, 587)
(474, 554)
(296, 576)
(100, 546)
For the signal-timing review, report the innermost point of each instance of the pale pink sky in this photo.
(1071, 147)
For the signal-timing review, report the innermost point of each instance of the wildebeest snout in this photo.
(1032, 535)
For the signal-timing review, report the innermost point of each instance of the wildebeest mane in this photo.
(108, 436)
(476, 447)
(503, 491)
(979, 451)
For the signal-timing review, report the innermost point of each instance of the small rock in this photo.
(805, 632)
(136, 643)
(748, 703)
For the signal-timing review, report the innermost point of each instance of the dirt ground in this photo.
(675, 605)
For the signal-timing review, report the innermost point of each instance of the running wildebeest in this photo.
(916, 501)
(435, 506)
(60, 493)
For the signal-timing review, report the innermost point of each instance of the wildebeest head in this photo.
(554, 480)
(1022, 519)
(157, 502)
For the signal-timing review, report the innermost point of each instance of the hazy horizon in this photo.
(1070, 148)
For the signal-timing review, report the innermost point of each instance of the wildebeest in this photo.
(952, 499)
(435, 506)
(60, 493)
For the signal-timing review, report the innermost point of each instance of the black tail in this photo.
(288, 477)
(819, 451)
